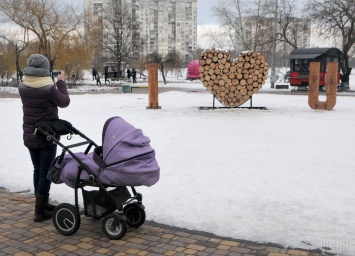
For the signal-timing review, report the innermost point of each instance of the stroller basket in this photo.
(98, 204)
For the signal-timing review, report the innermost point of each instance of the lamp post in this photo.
(274, 77)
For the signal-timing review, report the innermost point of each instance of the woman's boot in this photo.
(40, 209)
(49, 207)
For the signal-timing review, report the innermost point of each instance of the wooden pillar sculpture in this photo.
(153, 86)
(313, 89)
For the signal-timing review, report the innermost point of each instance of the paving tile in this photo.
(21, 253)
(240, 250)
(277, 254)
(298, 252)
(20, 236)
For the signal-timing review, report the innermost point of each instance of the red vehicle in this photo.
(299, 64)
(193, 70)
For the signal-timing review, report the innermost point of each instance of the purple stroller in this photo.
(124, 159)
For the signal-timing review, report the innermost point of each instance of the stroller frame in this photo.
(66, 217)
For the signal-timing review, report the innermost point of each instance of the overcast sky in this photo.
(204, 14)
(204, 11)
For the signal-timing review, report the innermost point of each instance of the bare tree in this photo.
(20, 42)
(244, 23)
(335, 17)
(216, 37)
(93, 41)
(260, 20)
(287, 21)
(173, 62)
(74, 55)
(196, 53)
(155, 57)
(230, 14)
(119, 32)
(50, 21)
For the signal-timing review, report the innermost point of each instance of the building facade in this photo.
(158, 25)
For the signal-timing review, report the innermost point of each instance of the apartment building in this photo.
(159, 25)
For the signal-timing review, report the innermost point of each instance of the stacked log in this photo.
(232, 82)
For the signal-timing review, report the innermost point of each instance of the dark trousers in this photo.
(42, 160)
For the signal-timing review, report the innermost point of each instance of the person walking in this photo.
(129, 74)
(94, 73)
(106, 75)
(20, 75)
(134, 75)
(98, 79)
(40, 101)
(342, 82)
(344, 78)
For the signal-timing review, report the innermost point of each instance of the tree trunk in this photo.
(162, 71)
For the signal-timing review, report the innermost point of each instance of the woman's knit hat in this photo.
(37, 65)
(38, 61)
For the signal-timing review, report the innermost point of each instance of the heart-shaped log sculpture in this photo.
(232, 82)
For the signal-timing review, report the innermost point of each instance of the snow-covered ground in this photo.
(283, 175)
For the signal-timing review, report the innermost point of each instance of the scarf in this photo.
(37, 81)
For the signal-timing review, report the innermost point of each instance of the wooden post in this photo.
(331, 86)
(153, 86)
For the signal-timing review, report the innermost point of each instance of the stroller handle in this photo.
(58, 126)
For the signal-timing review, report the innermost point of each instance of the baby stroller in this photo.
(124, 159)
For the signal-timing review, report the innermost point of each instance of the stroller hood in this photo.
(121, 141)
(126, 156)
(124, 159)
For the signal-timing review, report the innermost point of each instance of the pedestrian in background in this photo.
(20, 75)
(106, 75)
(134, 75)
(98, 79)
(94, 73)
(129, 74)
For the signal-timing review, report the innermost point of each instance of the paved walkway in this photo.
(20, 236)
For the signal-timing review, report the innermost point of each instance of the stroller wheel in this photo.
(135, 215)
(113, 227)
(66, 219)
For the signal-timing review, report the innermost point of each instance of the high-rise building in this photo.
(158, 25)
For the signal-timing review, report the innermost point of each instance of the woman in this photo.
(40, 101)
